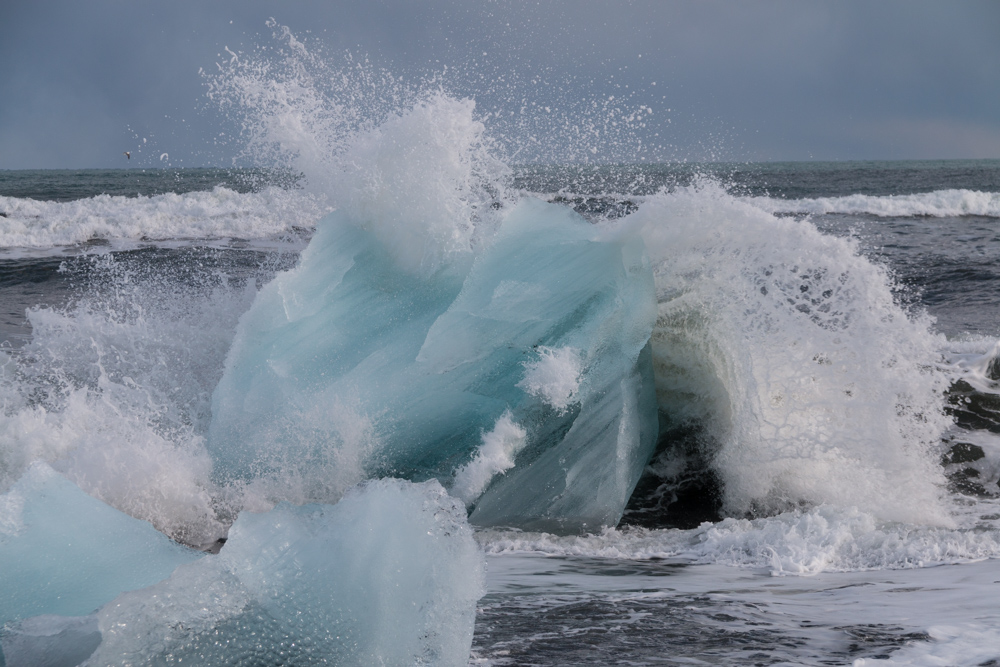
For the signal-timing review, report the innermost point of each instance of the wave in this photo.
(809, 384)
(787, 348)
(801, 542)
(219, 213)
(222, 213)
(937, 204)
(783, 347)
(443, 328)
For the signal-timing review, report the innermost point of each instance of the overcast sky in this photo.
(83, 80)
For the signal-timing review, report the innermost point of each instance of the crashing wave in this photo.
(938, 204)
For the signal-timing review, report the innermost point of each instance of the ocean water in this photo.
(823, 343)
(140, 291)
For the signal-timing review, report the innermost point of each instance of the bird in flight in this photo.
(127, 155)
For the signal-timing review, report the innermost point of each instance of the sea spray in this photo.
(814, 386)
(728, 356)
(113, 389)
(938, 204)
(297, 108)
(424, 183)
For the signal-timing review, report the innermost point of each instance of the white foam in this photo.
(938, 204)
(422, 182)
(788, 346)
(823, 539)
(495, 456)
(967, 644)
(114, 391)
(972, 360)
(554, 376)
(219, 213)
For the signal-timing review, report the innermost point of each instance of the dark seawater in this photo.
(785, 180)
(63, 185)
(608, 601)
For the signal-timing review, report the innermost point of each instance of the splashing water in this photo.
(809, 384)
(814, 385)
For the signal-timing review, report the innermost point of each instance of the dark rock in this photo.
(963, 452)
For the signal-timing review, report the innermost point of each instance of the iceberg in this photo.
(519, 375)
(390, 575)
(49, 641)
(63, 552)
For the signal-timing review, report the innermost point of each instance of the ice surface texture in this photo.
(528, 357)
(388, 576)
(64, 552)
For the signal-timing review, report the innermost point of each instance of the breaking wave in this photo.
(938, 204)
(220, 213)
(781, 347)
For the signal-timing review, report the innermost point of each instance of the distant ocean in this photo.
(824, 485)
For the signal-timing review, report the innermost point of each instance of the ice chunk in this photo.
(329, 332)
(388, 576)
(551, 322)
(584, 481)
(49, 641)
(63, 552)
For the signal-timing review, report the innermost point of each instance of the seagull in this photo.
(127, 155)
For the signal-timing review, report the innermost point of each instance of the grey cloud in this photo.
(80, 82)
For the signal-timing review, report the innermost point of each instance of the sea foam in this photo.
(938, 204)
(813, 384)
(219, 213)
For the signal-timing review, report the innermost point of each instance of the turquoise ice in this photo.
(390, 575)
(518, 376)
(64, 552)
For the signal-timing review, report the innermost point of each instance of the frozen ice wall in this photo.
(529, 370)
(433, 329)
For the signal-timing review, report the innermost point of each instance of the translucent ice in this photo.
(547, 327)
(49, 641)
(63, 552)
(388, 576)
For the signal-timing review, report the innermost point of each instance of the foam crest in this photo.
(976, 361)
(967, 644)
(799, 543)
(219, 213)
(938, 204)
(812, 384)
